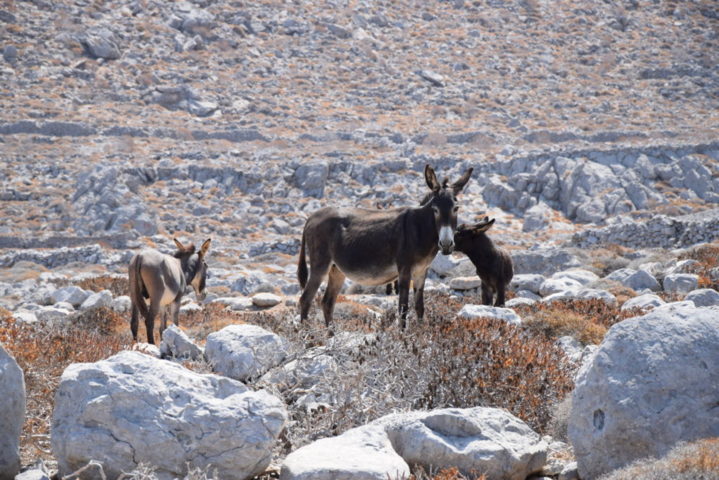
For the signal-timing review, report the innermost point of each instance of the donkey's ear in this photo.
(205, 247)
(431, 178)
(483, 226)
(179, 245)
(459, 184)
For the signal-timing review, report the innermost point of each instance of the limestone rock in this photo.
(244, 351)
(647, 301)
(484, 311)
(97, 300)
(72, 295)
(132, 408)
(480, 439)
(703, 297)
(363, 453)
(266, 300)
(175, 343)
(527, 281)
(465, 283)
(681, 282)
(634, 279)
(12, 414)
(653, 382)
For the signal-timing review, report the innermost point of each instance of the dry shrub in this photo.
(117, 285)
(686, 461)
(707, 255)
(43, 352)
(212, 317)
(444, 474)
(585, 320)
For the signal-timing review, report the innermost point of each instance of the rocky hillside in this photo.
(593, 131)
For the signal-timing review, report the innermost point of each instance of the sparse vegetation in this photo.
(698, 460)
(117, 285)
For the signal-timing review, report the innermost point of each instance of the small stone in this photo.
(97, 300)
(266, 300)
(484, 311)
(703, 297)
(680, 283)
(9, 53)
(432, 77)
(465, 283)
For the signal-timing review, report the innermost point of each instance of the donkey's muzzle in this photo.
(446, 240)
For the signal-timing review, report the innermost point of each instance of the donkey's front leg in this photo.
(403, 284)
(418, 281)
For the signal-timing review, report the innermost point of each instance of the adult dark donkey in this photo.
(374, 247)
(163, 279)
(494, 265)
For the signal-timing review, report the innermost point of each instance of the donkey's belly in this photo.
(168, 296)
(371, 275)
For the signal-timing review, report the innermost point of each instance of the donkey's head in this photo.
(463, 237)
(443, 199)
(194, 266)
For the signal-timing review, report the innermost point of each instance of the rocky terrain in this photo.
(593, 131)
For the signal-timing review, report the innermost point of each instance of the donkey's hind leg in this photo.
(150, 322)
(317, 275)
(334, 285)
(134, 321)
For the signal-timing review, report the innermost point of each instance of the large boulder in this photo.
(635, 279)
(72, 294)
(481, 439)
(363, 453)
(12, 414)
(244, 351)
(681, 283)
(703, 297)
(648, 301)
(133, 408)
(653, 382)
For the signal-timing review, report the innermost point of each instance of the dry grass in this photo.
(698, 460)
(117, 285)
(585, 320)
(708, 257)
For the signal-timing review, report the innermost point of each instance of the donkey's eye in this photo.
(456, 209)
(436, 210)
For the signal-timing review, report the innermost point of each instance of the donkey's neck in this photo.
(189, 267)
(425, 229)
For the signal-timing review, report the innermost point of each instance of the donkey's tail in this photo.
(136, 285)
(302, 264)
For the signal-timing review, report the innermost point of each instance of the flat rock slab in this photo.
(484, 311)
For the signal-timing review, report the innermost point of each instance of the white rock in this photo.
(121, 304)
(556, 285)
(443, 265)
(175, 343)
(571, 347)
(34, 474)
(190, 307)
(703, 297)
(527, 294)
(235, 303)
(647, 301)
(596, 294)
(560, 296)
(132, 408)
(683, 266)
(465, 283)
(52, 315)
(634, 279)
(485, 311)
(363, 453)
(23, 316)
(266, 300)
(520, 302)
(97, 300)
(680, 282)
(305, 372)
(480, 439)
(12, 414)
(244, 351)
(654, 381)
(583, 277)
(72, 294)
(527, 281)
